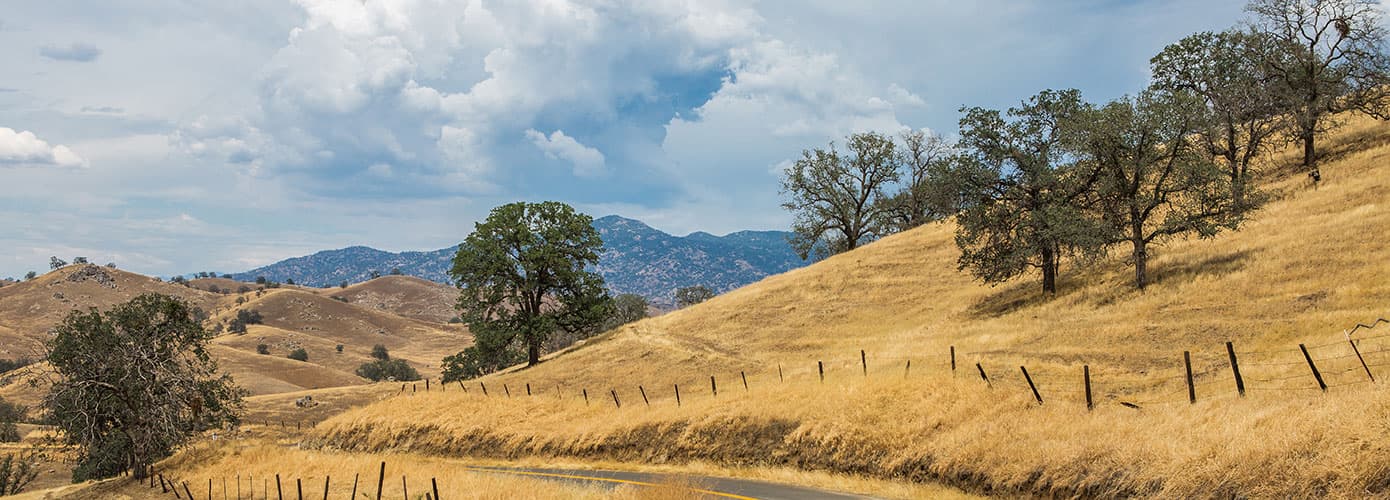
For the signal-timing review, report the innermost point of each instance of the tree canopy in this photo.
(524, 275)
(133, 383)
(837, 198)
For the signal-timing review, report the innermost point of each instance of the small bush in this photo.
(262, 349)
(379, 352)
(339, 348)
(299, 355)
(17, 470)
(388, 369)
(237, 327)
(243, 289)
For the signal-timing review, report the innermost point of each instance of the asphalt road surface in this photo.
(710, 487)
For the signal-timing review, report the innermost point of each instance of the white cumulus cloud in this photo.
(587, 161)
(23, 148)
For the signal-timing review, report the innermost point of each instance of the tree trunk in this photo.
(1049, 270)
(533, 352)
(1310, 161)
(1141, 263)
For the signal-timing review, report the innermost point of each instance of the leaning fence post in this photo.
(678, 394)
(381, 480)
(713, 389)
(864, 362)
(506, 390)
(908, 370)
(1086, 376)
(780, 378)
(405, 491)
(279, 493)
(1316, 374)
(186, 490)
(354, 484)
(326, 477)
(1191, 390)
(586, 396)
(644, 395)
(982, 375)
(484, 386)
(1235, 369)
(434, 486)
(1361, 359)
(616, 403)
(528, 388)
(1034, 388)
(745, 381)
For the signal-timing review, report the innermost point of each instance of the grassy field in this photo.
(1307, 267)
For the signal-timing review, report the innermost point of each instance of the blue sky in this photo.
(227, 135)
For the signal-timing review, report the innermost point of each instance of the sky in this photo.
(175, 137)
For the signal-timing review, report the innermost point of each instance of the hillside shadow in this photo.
(1102, 284)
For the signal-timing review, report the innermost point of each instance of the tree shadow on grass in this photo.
(1103, 283)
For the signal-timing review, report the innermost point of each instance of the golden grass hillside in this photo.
(1307, 267)
(406, 296)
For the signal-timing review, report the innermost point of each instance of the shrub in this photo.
(379, 352)
(339, 348)
(343, 284)
(14, 364)
(249, 316)
(17, 470)
(214, 289)
(299, 355)
(289, 281)
(237, 327)
(260, 280)
(243, 289)
(388, 369)
(262, 349)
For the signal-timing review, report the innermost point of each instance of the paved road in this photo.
(711, 487)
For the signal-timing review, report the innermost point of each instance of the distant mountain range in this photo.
(636, 259)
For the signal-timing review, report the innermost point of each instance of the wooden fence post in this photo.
(224, 487)
(381, 480)
(745, 381)
(953, 360)
(780, 378)
(907, 371)
(678, 394)
(186, 490)
(299, 487)
(1316, 374)
(326, 477)
(506, 390)
(412, 388)
(528, 389)
(586, 396)
(238, 487)
(1235, 368)
(434, 486)
(616, 403)
(1030, 384)
(209, 488)
(983, 376)
(820, 367)
(644, 395)
(354, 481)
(427, 384)
(713, 389)
(1361, 359)
(405, 491)
(1086, 377)
(864, 362)
(1191, 389)
(464, 387)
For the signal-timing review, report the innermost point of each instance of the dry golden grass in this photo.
(1308, 266)
(406, 296)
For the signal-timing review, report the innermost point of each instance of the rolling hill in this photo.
(1303, 271)
(637, 259)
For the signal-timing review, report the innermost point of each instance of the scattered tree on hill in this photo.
(395, 271)
(379, 352)
(10, 414)
(338, 348)
(237, 326)
(214, 289)
(1030, 210)
(226, 276)
(1242, 116)
(691, 295)
(627, 307)
(111, 265)
(343, 284)
(243, 289)
(928, 189)
(30, 275)
(260, 280)
(262, 349)
(55, 263)
(388, 369)
(134, 383)
(837, 199)
(524, 275)
(1326, 57)
(249, 316)
(1153, 182)
(79, 260)
(289, 281)
(299, 355)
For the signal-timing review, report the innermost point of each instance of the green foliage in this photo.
(55, 263)
(262, 349)
(249, 317)
(930, 189)
(691, 295)
(17, 470)
(837, 200)
(388, 369)
(14, 364)
(133, 383)
(376, 274)
(260, 280)
(9, 432)
(343, 284)
(10, 413)
(338, 348)
(524, 276)
(1152, 182)
(1030, 196)
(289, 281)
(80, 260)
(237, 326)
(627, 308)
(299, 355)
(379, 352)
(1241, 116)
(30, 275)
(395, 271)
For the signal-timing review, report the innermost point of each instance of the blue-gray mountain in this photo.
(636, 259)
